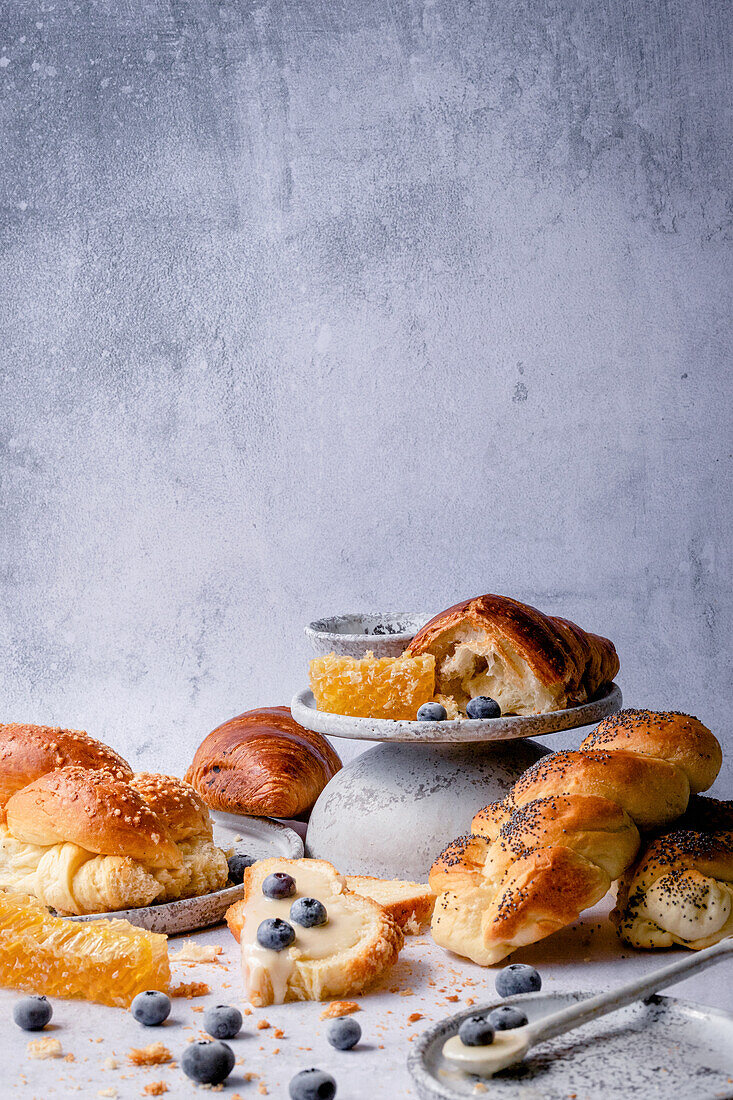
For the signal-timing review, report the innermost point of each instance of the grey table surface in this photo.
(586, 956)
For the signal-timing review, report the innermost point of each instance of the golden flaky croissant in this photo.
(680, 888)
(568, 828)
(530, 663)
(85, 835)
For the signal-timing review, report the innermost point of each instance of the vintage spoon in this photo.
(511, 1046)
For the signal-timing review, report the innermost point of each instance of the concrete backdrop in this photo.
(313, 306)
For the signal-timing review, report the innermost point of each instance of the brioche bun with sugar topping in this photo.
(98, 810)
(27, 752)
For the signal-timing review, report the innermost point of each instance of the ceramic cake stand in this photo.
(394, 808)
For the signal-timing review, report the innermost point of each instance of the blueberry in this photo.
(308, 912)
(222, 1021)
(312, 1084)
(275, 934)
(151, 1007)
(483, 707)
(506, 1017)
(278, 886)
(432, 712)
(517, 978)
(32, 1013)
(208, 1061)
(476, 1031)
(344, 1033)
(238, 864)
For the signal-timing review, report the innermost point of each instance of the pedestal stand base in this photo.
(393, 809)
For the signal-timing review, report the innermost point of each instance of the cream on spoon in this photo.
(510, 1047)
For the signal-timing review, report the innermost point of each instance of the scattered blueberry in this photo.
(308, 912)
(517, 978)
(222, 1021)
(312, 1084)
(344, 1033)
(238, 864)
(476, 1031)
(432, 712)
(278, 886)
(275, 934)
(151, 1007)
(32, 1013)
(506, 1017)
(208, 1061)
(483, 707)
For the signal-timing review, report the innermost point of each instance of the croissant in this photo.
(530, 663)
(680, 889)
(87, 841)
(568, 828)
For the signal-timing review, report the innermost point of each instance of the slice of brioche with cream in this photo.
(358, 942)
(410, 904)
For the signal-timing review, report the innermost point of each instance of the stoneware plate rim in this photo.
(452, 730)
(429, 1088)
(312, 630)
(188, 914)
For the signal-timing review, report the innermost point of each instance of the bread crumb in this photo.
(197, 1008)
(470, 1001)
(246, 1011)
(155, 1088)
(250, 1077)
(262, 1088)
(40, 1049)
(408, 993)
(198, 953)
(414, 1016)
(340, 1008)
(153, 1055)
(110, 1092)
(279, 1033)
(262, 1025)
(190, 989)
(453, 998)
(69, 1058)
(110, 1063)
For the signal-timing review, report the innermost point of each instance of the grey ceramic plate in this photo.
(463, 730)
(253, 836)
(656, 1049)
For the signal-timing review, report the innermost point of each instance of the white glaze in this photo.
(507, 1048)
(262, 966)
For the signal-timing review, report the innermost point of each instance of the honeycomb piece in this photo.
(373, 687)
(108, 961)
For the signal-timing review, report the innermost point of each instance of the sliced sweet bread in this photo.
(410, 904)
(341, 957)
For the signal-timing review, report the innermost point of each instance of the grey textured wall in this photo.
(314, 306)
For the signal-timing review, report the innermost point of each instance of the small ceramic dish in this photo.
(656, 1049)
(384, 633)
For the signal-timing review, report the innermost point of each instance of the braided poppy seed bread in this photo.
(679, 892)
(578, 813)
(530, 663)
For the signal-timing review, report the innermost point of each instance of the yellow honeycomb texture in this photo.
(108, 961)
(373, 687)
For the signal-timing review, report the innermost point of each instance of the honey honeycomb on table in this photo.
(108, 961)
(373, 687)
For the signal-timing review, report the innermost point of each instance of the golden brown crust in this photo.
(652, 792)
(566, 660)
(461, 864)
(596, 828)
(677, 738)
(176, 802)
(409, 904)
(489, 820)
(541, 893)
(264, 763)
(27, 752)
(96, 810)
